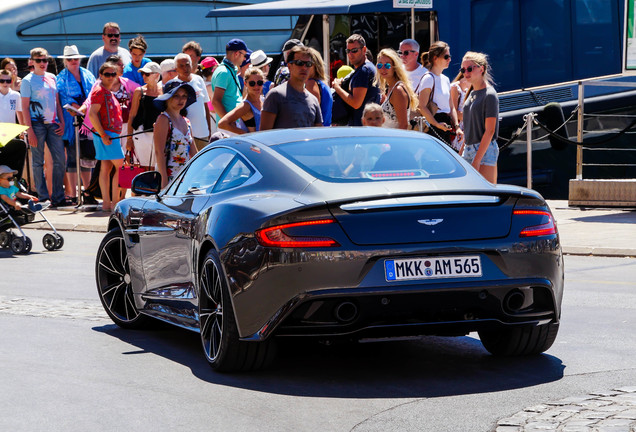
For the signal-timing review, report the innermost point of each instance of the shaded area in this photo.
(423, 367)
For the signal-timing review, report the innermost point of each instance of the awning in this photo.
(307, 7)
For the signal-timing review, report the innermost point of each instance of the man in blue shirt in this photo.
(363, 89)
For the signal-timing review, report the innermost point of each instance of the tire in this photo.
(4, 239)
(48, 241)
(519, 340)
(217, 325)
(112, 274)
(20, 245)
(59, 242)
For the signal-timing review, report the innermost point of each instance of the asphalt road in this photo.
(65, 366)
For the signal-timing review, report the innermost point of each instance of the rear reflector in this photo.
(547, 228)
(276, 236)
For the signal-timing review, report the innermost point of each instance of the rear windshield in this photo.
(372, 159)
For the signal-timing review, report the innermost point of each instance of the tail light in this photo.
(276, 236)
(545, 227)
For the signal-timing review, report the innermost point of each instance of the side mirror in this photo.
(147, 183)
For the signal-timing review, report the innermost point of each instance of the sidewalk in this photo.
(598, 232)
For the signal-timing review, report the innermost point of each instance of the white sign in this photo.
(629, 39)
(413, 4)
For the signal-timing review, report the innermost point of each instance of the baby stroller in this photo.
(21, 244)
(11, 218)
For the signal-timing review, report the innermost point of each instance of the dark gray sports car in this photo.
(332, 232)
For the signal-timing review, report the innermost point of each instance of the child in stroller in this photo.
(13, 214)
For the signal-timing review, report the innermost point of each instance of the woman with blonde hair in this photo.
(316, 85)
(481, 116)
(435, 88)
(399, 97)
(248, 112)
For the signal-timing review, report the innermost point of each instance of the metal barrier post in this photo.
(529, 119)
(80, 198)
(579, 134)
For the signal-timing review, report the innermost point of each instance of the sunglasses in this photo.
(40, 60)
(383, 65)
(468, 69)
(253, 83)
(109, 74)
(145, 73)
(447, 56)
(112, 35)
(406, 52)
(353, 50)
(5, 81)
(301, 63)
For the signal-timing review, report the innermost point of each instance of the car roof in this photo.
(282, 136)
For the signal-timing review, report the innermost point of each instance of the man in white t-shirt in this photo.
(112, 38)
(409, 52)
(198, 112)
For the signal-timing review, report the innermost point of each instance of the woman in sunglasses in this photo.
(246, 117)
(398, 94)
(481, 114)
(106, 118)
(435, 93)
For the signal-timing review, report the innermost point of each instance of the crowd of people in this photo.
(160, 115)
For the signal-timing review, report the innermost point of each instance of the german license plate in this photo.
(432, 268)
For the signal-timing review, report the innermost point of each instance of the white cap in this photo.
(151, 67)
(168, 65)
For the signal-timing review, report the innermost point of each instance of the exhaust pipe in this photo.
(514, 301)
(346, 312)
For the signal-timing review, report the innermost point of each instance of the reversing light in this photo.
(277, 237)
(547, 228)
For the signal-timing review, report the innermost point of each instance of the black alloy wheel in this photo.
(219, 334)
(112, 274)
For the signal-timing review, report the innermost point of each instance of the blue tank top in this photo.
(254, 122)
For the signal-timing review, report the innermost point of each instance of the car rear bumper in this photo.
(401, 311)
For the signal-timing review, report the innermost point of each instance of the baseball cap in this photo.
(150, 67)
(208, 62)
(167, 65)
(291, 43)
(237, 45)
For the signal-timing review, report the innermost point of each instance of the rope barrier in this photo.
(598, 142)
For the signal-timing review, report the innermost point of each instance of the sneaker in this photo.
(34, 207)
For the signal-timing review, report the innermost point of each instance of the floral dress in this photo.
(390, 116)
(177, 148)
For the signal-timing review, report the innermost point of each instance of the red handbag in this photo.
(129, 169)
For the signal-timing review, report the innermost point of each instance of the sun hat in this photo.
(6, 170)
(291, 43)
(343, 71)
(260, 59)
(150, 67)
(71, 52)
(167, 65)
(169, 91)
(209, 62)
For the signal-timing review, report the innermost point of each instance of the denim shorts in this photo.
(489, 158)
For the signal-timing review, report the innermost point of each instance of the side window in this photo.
(237, 174)
(204, 172)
